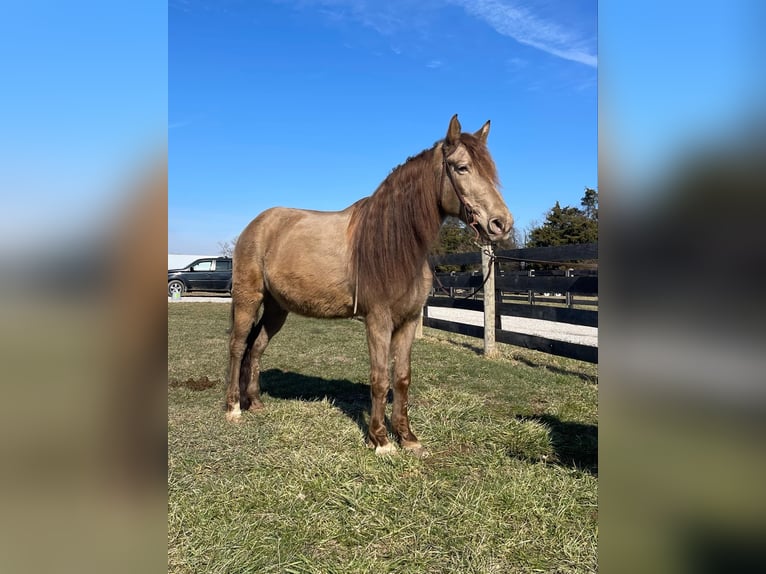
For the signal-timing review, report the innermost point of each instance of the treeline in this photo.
(566, 225)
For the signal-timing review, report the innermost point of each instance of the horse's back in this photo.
(299, 257)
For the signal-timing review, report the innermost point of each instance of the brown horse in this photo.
(369, 260)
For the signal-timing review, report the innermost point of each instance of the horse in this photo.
(369, 261)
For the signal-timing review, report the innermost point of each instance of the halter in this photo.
(470, 219)
(470, 216)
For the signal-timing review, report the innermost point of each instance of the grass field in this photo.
(510, 486)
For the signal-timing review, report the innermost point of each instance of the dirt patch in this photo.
(199, 384)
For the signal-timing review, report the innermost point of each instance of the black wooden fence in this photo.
(527, 284)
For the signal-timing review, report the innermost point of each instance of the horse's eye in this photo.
(461, 168)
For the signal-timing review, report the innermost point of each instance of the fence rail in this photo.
(450, 291)
(584, 317)
(541, 284)
(560, 253)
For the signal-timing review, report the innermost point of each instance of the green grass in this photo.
(510, 486)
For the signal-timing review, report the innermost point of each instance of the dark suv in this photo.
(208, 274)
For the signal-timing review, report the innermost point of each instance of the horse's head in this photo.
(469, 183)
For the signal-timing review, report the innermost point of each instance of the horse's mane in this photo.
(393, 229)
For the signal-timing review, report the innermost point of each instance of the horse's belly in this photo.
(306, 262)
(312, 295)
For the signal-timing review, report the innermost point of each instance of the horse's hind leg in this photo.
(244, 314)
(271, 322)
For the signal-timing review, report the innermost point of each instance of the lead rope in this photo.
(492, 259)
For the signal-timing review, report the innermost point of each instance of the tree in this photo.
(568, 225)
(589, 202)
(456, 237)
(226, 248)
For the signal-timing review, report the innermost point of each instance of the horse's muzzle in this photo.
(499, 228)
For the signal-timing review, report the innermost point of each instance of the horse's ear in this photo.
(453, 133)
(483, 132)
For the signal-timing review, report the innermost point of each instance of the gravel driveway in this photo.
(578, 334)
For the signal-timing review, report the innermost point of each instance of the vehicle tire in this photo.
(176, 286)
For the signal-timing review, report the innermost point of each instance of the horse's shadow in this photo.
(353, 399)
(575, 444)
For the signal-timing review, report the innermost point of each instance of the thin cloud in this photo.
(512, 18)
(382, 17)
(518, 22)
(433, 64)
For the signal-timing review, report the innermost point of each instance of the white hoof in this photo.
(234, 415)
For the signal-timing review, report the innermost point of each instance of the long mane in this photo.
(393, 229)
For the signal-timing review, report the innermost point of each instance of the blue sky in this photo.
(311, 103)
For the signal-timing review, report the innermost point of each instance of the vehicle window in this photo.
(223, 265)
(203, 266)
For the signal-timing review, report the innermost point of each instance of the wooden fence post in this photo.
(419, 328)
(530, 296)
(488, 271)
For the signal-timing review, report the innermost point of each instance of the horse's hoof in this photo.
(388, 448)
(234, 416)
(416, 449)
(255, 406)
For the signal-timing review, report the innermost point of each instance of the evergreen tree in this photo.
(455, 237)
(589, 203)
(568, 225)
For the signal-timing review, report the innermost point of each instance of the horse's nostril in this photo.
(496, 226)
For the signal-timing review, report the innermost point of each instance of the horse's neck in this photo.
(394, 229)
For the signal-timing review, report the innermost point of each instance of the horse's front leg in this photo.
(379, 328)
(401, 349)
